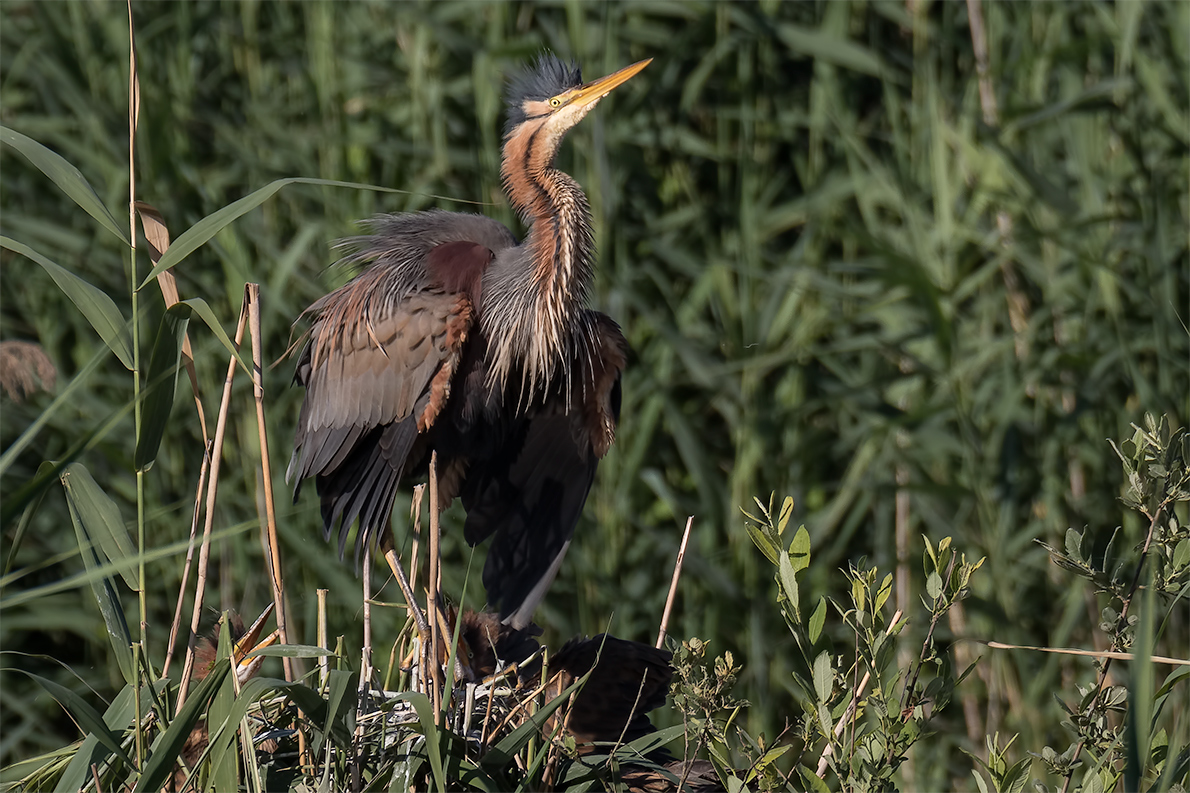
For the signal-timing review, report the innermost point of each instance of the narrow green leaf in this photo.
(1177, 766)
(425, 715)
(769, 757)
(1096, 97)
(101, 517)
(118, 716)
(1074, 544)
(788, 580)
(647, 744)
(883, 593)
(1016, 777)
(91, 301)
(87, 717)
(457, 767)
(1181, 555)
(205, 313)
(811, 780)
(858, 595)
(786, 514)
(161, 763)
(221, 728)
(1178, 675)
(817, 620)
(101, 586)
(1041, 185)
(90, 575)
(340, 716)
(43, 471)
(162, 379)
(823, 678)
(291, 651)
(410, 759)
(66, 176)
(799, 550)
(771, 551)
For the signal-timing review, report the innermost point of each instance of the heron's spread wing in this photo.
(376, 372)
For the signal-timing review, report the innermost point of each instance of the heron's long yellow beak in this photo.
(246, 666)
(597, 89)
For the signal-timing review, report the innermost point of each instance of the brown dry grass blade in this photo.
(157, 235)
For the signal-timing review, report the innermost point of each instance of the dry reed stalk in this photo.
(324, 669)
(252, 297)
(419, 496)
(396, 654)
(554, 746)
(468, 708)
(407, 583)
(530, 698)
(673, 583)
(212, 489)
(484, 733)
(1104, 655)
(366, 667)
(394, 564)
(173, 630)
(433, 584)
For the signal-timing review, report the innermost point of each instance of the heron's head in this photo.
(244, 641)
(546, 100)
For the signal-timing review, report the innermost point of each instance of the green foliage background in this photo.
(812, 236)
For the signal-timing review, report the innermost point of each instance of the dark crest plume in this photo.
(548, 76)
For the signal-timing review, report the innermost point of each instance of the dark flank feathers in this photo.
(546, 77)
(539, 479)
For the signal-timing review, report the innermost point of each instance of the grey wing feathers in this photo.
(368, 371)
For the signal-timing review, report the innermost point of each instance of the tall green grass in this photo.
(798, 210)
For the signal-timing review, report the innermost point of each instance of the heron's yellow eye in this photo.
(555, 102)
